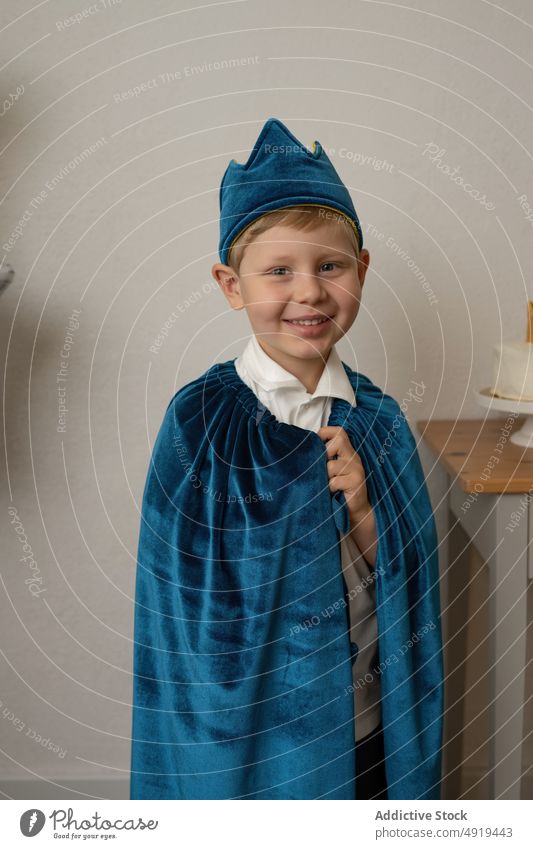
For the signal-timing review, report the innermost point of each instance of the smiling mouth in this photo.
(307, 322)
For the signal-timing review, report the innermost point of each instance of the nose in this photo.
(308, 287)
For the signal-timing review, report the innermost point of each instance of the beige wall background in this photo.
(116, 128)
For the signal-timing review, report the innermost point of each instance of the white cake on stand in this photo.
(512, 382)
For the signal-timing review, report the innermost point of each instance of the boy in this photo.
(280, 539)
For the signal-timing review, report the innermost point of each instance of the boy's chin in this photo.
(304, 349)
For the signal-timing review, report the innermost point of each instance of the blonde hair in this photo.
(302, 217)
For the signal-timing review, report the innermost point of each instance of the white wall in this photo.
(129, 235)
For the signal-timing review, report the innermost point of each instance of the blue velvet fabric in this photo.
(279, 172)
(242, 656)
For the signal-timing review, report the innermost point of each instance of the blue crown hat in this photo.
(279, 172)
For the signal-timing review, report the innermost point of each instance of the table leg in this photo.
(507, 649)
(454, 625)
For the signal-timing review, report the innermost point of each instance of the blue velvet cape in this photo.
(242, 657)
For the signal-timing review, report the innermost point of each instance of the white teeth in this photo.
(308, 321)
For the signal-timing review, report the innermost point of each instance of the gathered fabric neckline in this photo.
(229, 376)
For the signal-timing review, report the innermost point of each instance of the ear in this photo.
(229, 282)
(362, 265)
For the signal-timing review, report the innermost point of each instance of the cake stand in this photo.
(522, 437)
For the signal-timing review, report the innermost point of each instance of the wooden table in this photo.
(489, 479)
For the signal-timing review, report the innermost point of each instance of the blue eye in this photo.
(280, 269)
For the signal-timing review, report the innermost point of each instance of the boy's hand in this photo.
(346, 472)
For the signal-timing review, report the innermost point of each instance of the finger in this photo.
(330, 432)
(352, 488)
(351, 482)
(327, 431)
(341, 446)
(342, 466)
(335, 483)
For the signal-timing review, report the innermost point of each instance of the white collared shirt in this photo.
(285, 396)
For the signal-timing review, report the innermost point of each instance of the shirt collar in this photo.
(265, 371)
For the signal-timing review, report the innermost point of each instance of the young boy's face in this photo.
(289, 274)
